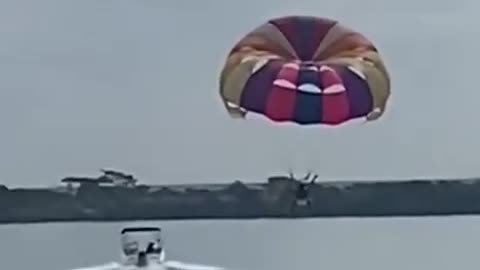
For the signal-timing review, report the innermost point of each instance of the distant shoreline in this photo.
(50, 221)
(274, 199)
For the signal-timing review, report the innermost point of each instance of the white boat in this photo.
(142, 246)
(143, 249)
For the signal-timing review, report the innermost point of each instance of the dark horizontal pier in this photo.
(96, 201)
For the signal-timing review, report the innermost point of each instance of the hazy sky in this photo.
(132, 85)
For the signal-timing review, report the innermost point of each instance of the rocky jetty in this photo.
(97, 200)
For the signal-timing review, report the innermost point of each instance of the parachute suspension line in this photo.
(284, 157)
(295, 159)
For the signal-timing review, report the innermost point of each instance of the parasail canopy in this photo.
(305, 70)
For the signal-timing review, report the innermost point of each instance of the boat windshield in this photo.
(141, 239)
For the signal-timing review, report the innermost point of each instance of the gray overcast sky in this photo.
(132, 85)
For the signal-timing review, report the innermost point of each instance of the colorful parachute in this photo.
(305, 70)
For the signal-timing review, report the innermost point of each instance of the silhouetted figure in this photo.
(302, 195)
(154, 248)
(142, 259)
(304, 186)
